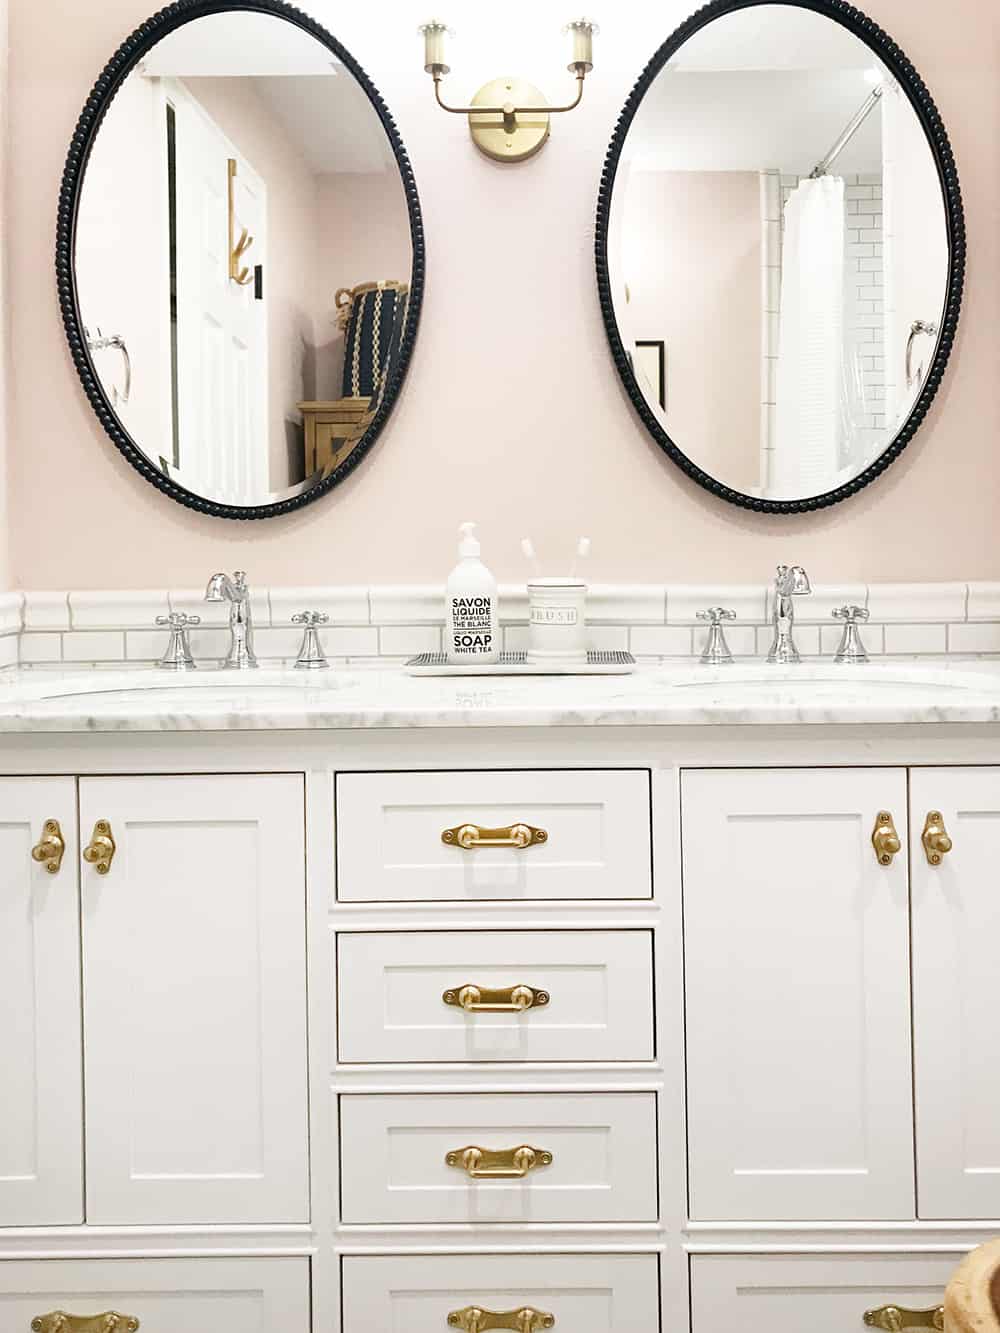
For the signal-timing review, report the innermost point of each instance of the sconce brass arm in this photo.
(506, 111)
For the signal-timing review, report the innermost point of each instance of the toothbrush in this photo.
(582, 551)
(528, 551)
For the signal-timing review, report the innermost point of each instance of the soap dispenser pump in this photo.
(472, 622)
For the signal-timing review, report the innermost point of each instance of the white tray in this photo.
(517, 664)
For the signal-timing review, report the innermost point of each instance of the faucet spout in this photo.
(790, 581)
(235, 591)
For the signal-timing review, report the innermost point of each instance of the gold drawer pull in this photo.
(935, 838)
(885, 839)
(895, 1318)
(483, 1000)
(498, 1164)
(51, 848)
(470, 836)
(100, 851)
(61, 1322)
(526, 1320)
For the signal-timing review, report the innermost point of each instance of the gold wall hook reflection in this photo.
(937, 843)
(50, 850)
(885, 839)
(100, 851)
(238, 272)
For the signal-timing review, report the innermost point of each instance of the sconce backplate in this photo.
(530, 130)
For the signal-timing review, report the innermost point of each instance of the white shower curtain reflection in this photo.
(808, 430)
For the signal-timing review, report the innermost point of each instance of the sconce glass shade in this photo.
(582, 32)
(434, 33)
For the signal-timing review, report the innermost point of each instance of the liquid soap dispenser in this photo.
(472, 623)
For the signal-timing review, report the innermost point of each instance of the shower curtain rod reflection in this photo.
(870, 103)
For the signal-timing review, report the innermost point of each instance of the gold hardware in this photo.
(482, 1000)
(238, 272)
(61, 1322)
(500, 1163)
(935, 838)
(51, 848)
(470, 836)
(100, 851)
(895, 1318)
(509, 117)
(885, 839)
(475, 1320)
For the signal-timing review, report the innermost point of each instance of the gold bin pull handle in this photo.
(885, 839)
(473, 1319)
(896, 1318)
(50, 850)
(483, 1000)
(61, 1322)
(100, 851)
(937, 843)
(471, 836)
(498, 1164)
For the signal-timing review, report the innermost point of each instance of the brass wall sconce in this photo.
(509, 118)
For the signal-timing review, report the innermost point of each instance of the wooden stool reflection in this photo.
(332, 429)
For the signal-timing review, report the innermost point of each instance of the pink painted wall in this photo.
(512, 413)
(6, 572)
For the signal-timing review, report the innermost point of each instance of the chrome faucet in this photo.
(790, 581)
(235, 591)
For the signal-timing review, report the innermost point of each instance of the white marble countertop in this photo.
(148, 700)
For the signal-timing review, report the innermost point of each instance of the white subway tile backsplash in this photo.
(626, 603)
(684, 602)
(608, 638)
(8, 651)
(412, 604)
(913, 602)
(660, 641)
(46, 610)
(94, 646)
(915, 639)
(40, 647)
(974, 638)
(282, 643)
(116, 610)
(11, 605)
(344, 606)
(408, 640)
(984, 601)
(344, 641)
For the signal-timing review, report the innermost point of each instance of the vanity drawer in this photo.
(586, 1293)
(602, 1147)
(788, 1293)
(595, 989)
(595, 823)
(165, 1295)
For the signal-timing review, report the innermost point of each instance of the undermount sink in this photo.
(754, 680)
(206, 687)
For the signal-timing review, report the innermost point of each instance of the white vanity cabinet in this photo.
(41, 1107)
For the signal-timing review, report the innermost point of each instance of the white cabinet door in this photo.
(783, 1293)
(165, 1295)
(194, 1001)
(41, 1108)
(798, 1005)
(601, 1149)
(956, 1014)
(595, 826)
(585, 1293)
(596, 987)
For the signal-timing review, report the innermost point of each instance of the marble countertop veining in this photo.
(148, 700)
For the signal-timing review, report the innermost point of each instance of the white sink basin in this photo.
(757, 681)
(203, 688)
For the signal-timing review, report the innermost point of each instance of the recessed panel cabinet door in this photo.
(194, 1000)
(41, 1108)
(956, 1014)
(798, 1005)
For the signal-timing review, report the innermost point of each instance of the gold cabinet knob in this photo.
(100, 851)
(483, 1000)
(885, 839)
(474, 1319)
(937, 843)
(61, 1322)
(498, 1164)
(896, 1318)
(471, 836)
(50, 850)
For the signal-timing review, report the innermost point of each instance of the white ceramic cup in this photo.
(557, 620)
